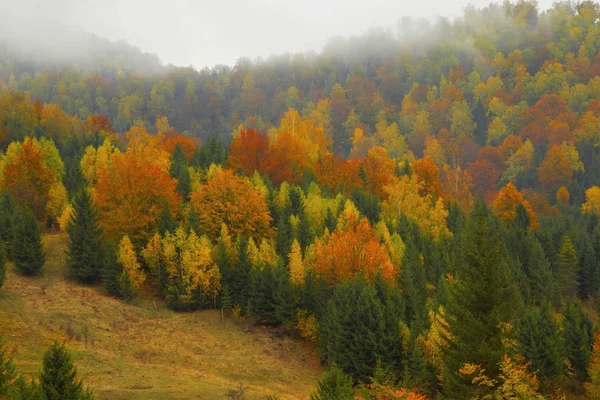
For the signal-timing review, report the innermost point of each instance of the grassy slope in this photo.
(143, 351)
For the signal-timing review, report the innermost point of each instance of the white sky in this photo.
(201, 32)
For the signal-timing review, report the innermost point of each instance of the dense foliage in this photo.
(426, 209)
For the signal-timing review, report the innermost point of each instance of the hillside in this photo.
(134, 351)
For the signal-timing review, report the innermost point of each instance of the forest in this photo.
(423, 208)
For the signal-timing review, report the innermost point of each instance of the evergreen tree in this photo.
(166, 223)
(27, 250)
(540, 342)
(284, 236)
(356, 331)
(58, 378)
(179, 170)
(84, 253)
(194, 221)
(541, 282)
(330, 221)
(7, 369)
(22, 390)
(3, 265)
(566, 268)
(237, 278)
(285, 294)
(334, 385)
(481, 300)
(586, 273)
(306, 234)
(7, 211)
(111, 270)
(578, 337)
(412, 284)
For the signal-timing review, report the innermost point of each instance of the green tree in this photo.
(541, 343)
(3, 266)
(27, 250)
(84, 253)
(7, 210)
(566, 267)
(7, 369)
(356, 330)
(334, 385)
(166, 222)
(482, 299)
(578, 337)
(179, 170)
(111, 270)
(59, 376)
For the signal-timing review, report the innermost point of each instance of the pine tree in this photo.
(542, 285)
(22, 390)
(27, 250)
(166, 222)
(7, 369)
(7, 211)
(179, 170)
(566, 268)
(578, 337)
(540, 342)
(334, 385)
(356, 331)
(3, 265)
(481, 300)
(111, 270)
(58, 378)
(284, 236)
(194, 221)
(84, 254)
(238, 277)
(306, 234)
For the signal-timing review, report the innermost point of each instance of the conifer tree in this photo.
(238, 277)
(541, 282)
(166, 222)
(58, 378)
(334, 385)
(540, 342)
(586, 273)
(566, 267)
(27, 250)
(179, 170)
(111, 270)
(7, 369)
(356, 331)
(2, 264)
(306, 234)
(482, 298)
(578, 337)
(7, 211)
(84, 253)
(193, 221)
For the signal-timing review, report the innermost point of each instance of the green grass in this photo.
(142, 350)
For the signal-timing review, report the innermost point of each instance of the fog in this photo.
(206, 33)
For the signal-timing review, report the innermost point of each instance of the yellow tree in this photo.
(592, 201)
(296, 265)
(230, 199)
(132, 270)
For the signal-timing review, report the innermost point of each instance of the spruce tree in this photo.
(542, 285)
(166, 222)
(27, 249)
(58, 378)
(481, 300)
(84, 245)
(578, 337)
(356, 331)
(194, 221)
(306, 234)
(7, 369)
(566, 268)
(111, 270)
(179, 170)
(23, 390)
(7, 211)
(334, 385)
(2, 264)
(540, 342)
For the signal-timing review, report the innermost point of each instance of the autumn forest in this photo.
(423, 210)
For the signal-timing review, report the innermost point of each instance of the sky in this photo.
(206, 33)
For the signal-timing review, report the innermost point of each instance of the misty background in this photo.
(207, 33)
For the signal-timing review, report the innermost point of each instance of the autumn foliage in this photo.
(351, 250)
(230, 199)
